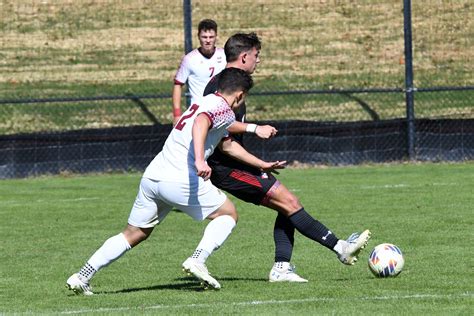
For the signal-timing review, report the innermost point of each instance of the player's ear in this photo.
(240, 95)
(243, 57)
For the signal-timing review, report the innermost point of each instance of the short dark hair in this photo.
(234, 79)
(240, 43)
(206, 25)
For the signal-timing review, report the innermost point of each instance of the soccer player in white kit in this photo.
(198, 66)
(178, 177)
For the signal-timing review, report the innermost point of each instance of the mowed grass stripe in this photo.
(273, 302)
(50, 225)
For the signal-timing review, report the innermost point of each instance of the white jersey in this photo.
(197, 70)
(176, 161)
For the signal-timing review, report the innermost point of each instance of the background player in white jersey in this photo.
(177, 177)
(198, 66)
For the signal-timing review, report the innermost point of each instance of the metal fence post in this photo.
(188, 41)
(409, 89)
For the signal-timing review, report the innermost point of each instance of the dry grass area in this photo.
(89, 41)
(93, 41)
(55, 48)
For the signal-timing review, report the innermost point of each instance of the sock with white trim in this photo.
(283, 236)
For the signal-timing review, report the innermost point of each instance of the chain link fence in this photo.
(86, 85)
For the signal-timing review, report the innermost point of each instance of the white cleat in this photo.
(285, 272)
(352, 247)
(199, 270)
(78, 286)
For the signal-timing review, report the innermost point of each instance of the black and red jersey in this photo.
(221, 163)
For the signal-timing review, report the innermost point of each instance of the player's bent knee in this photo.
(136, 235)
(293, 202)
(284, 201)
(228, 208)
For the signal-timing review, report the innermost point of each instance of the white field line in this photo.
(402, 185)
(15, 203)
(275, 302)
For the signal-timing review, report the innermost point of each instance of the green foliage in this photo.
(51, 225)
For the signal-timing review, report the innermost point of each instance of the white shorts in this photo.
(155, 199)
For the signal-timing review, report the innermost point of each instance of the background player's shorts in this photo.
(155, 199)
(247, 186)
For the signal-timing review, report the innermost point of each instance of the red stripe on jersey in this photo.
(178, 82)
(245, 177)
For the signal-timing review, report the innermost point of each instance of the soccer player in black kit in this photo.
(252, 185)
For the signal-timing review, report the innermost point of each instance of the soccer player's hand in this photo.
(272, 166)
(265, 131)
(203, 170)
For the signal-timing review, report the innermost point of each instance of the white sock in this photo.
(112, 249)
(338, 247)
(215, 234)
(281, 265)
(200, 255)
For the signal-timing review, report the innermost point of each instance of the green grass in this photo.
(51, 225)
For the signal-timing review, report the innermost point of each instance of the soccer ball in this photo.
(386, 260)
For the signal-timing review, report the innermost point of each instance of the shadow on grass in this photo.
(190, 284)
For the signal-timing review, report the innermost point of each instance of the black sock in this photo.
(313, 229)
(284, 237)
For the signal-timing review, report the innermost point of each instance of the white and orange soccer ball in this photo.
(386, 260)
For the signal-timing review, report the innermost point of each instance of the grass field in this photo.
(51, 225)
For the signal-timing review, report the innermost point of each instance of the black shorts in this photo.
(253, 187)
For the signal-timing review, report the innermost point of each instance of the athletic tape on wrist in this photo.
(176, 112)
(251, 128)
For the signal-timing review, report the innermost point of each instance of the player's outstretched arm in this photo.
(200, 128)
(176, 99)
(262, 131)
(235, 150)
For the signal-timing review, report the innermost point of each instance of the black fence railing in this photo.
(374, 139)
